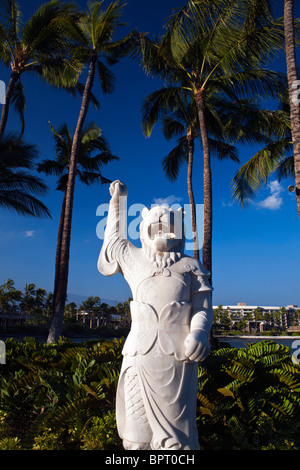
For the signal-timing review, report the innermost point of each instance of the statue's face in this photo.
(162, 229)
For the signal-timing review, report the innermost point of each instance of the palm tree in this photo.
(28, 302)
(9, 296)
(182, 120)
(88, 171)
(18, 188)
(215, 46)
(292, 77)
(39, 46)
(94, 35)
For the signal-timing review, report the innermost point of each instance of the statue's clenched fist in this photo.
(117, 189)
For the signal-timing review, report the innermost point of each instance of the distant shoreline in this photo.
(257, 337)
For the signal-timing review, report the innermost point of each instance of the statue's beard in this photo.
(161, 259)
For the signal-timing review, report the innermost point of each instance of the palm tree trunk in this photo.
(207, 185)
(58, 247)
(8, 94)
(191, 147)
(292, 77)
(63, 272)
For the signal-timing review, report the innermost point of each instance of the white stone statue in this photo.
(171, 318)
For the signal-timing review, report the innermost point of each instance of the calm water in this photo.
(293, 342)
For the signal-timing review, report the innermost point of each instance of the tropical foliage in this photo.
(62, 397)
(38, 46)
(212, 59)
(94, 44)
(211, 49)
(93, 153)
(248, 398)
(275, 157)
(18, 185)
(28, 312)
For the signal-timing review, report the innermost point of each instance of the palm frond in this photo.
(79, 89)
(171, 127)
(173, 161)
(106, 78)
(253, 174)
(255, 82)
(17, 187)
(223, 150)
(158, 104)
(19, 103)
(18, 180)
(286, 168)
(51, 167)
(43, 31)
(16, 153)
(104, 23)
(11, 17)
(88, 168)
(88, 178)
(23, 203)
(90, 133)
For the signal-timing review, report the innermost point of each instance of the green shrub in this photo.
(247, 397)
(10, 443)
(101, 434)
(62, 397)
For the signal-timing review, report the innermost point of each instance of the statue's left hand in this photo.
(197, 345)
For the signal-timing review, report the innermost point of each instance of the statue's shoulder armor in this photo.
(197, 271)
(189, 264)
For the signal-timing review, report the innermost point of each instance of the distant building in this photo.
(95, 321)
(243, 308)
(252, 313)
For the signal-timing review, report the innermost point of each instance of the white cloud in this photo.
(29, 233)
(169, 200)
(274, 201)
(227, 204)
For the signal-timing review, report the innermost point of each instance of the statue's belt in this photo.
(137, 326)
(169, 328)
(174, 317)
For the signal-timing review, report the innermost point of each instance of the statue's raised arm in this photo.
(115, 233)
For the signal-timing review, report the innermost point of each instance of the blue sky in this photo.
(256, 255)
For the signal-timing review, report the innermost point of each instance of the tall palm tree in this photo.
(183, 122)
(88, 171)
(94, 35)
(18, 187)
(292, 77)
(177, 121)
(39, 46)
(181, 119)
(9, 296)
(217, 45)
